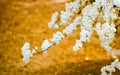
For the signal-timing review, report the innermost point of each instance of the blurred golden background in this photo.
(26, 20)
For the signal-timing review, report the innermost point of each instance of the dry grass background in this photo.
(26, 20)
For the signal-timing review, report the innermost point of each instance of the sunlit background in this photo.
(27, 20)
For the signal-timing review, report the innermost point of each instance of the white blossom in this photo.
(116, 2)
(46, 44)
(77, 20)
(77, 45)
(97, 4)
(106, 34)
(53, 21)
(57, 37)
(26, 52)
(71, 9)
(89, 10)
(65, 17)
(110, 68)
(85, 34)
(69, 29)
(109, 14)
(27, 56)
(88, 19)
(25, 47)
(99, 9)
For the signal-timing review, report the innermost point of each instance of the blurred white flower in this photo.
(26, 52)
(68, 30)
(110, 68)
(106, 34)
(77, 45)
(53, 21)
(70, 10)
(57, 37)
(116, 2)
(87, 17)
(46, 44)
(65, 17)
(72, 7)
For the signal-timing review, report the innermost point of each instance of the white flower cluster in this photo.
(86, 29)
(27, 53)
(106, 31)
(77, 45)
(100, 3)
(85, 34)
(106, 34)
(46, 44)
(116, 2)
(99, 9)
(89, 10)
(86, 25)
(71, 9)
(89, 15)
(88, 19)
(109, 12)
(110, 68)
(53, 21)
(68, 30)
(57, 37)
